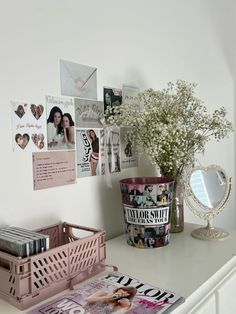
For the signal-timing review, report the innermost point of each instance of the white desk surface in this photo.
(181, 266)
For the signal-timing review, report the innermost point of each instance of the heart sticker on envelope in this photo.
(22, 140)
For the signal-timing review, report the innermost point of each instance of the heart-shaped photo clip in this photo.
(37, 111)
(22, 140)
(38, 140)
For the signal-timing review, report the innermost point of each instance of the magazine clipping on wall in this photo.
(88, 152)
(110, 150)
(88, 113)
(130, 96)
(52, 169)
(60, 123)
(129, 155)
(28, 126)
(113, 293)
(112, 97)
(78, 80)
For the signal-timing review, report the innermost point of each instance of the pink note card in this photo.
(52, 169)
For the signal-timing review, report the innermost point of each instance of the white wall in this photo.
(147, 43)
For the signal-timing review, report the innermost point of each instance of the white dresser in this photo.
(202, 272)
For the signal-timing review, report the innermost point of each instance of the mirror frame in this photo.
(206, 211)
(203, 211)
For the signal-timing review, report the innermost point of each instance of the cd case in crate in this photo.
(75, 253)
(22, 242)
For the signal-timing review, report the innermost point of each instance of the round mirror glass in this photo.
(208, 186)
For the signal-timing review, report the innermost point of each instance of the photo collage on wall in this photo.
(28, 126)
(73, 125)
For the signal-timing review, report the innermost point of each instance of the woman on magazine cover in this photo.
(94, 156)
(68, 130)
(54, 128)
(120, 301)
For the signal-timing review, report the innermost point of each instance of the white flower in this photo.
(173, 125)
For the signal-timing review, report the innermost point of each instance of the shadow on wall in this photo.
(135, 77)
(223, 33)
(111, 207)
(109, 199)
(224, 21)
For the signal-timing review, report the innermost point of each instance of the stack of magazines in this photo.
(113, 293)
(22, 242)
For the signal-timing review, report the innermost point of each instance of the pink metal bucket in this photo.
(147, 208)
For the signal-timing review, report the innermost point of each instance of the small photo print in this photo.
(135, 235)
(130, 97)
(88, 113)
(137, 201)
(135, 189)
(149, 189)
(129, 155)
(110, 150)
(125, 194)
(78, 80)
(28, 126)
(143, 201)
(124, 188)
(60, 123)
(112, 97)
(164, 193)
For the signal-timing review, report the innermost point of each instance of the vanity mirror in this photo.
(206, 193)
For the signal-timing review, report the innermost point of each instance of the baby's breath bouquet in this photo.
(172, 126)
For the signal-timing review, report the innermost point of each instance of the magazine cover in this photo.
(88, 152)
(88, 113)
(113, 293)
(60, 123)
(129, 155)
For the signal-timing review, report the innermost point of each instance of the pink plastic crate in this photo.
(27, 281)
